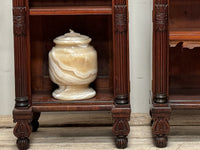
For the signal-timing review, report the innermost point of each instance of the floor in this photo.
(56, 136)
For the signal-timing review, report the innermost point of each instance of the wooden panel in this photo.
(184, 74)
(184, 15)
(71, 10)
(57, 3)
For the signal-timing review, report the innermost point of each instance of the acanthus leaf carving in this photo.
(121, 127)
(161, 15)
(19, 20)
(161, 126)
(22, 128)
(120, 18)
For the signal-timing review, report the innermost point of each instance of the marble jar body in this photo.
(73, 66)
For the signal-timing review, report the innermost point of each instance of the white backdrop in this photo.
(140, 27)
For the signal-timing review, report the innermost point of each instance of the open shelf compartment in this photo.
(44, 29)
(184, 52)
(70, 7)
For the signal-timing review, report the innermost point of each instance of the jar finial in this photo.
(71, 31)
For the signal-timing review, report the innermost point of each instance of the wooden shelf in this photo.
(101, 97)
(190, 39)
(72, 10)
(185, 35)
(45, 102)
(184, 101)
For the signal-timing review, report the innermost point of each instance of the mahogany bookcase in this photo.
(176, 62)
(36, 24)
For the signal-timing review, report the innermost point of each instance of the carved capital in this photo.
(19, 20)
(161, 15)
(120, 18)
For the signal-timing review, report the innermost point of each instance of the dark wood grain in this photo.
(121, 59)
(60, 3)
(176, 73)
(21, 54)
(72, 10)
(36, 24)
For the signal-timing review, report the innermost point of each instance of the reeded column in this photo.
(160, 111)
(121, 111)
(22, 114)
(21, 52)
(121, 55)
(161, 41)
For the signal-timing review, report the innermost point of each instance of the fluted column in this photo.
(161, 40)
(121, 56)
(21, 54)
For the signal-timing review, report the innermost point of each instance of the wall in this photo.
(140, 56)
(6, 58)
(140, 16)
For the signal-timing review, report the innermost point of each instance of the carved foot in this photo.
(23, 127)
(160, 126)
(160, 141)
(121, 127)
(35, 122)
(23, 143)
(121, 142)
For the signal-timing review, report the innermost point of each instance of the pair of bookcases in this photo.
(38, 22)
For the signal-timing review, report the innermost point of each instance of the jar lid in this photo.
(72, 38)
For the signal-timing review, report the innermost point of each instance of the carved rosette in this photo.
(19, 20)
(161, 15)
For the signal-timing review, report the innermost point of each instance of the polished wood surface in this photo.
(69, 10)
(36, 24)
(178, 74)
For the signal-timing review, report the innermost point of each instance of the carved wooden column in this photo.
(22, 113)
(121, 112)
(121, 55)
(160, 111)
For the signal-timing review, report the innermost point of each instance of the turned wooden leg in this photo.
(35, 122)
(121, 128)
(160, 126)
(23, 127)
